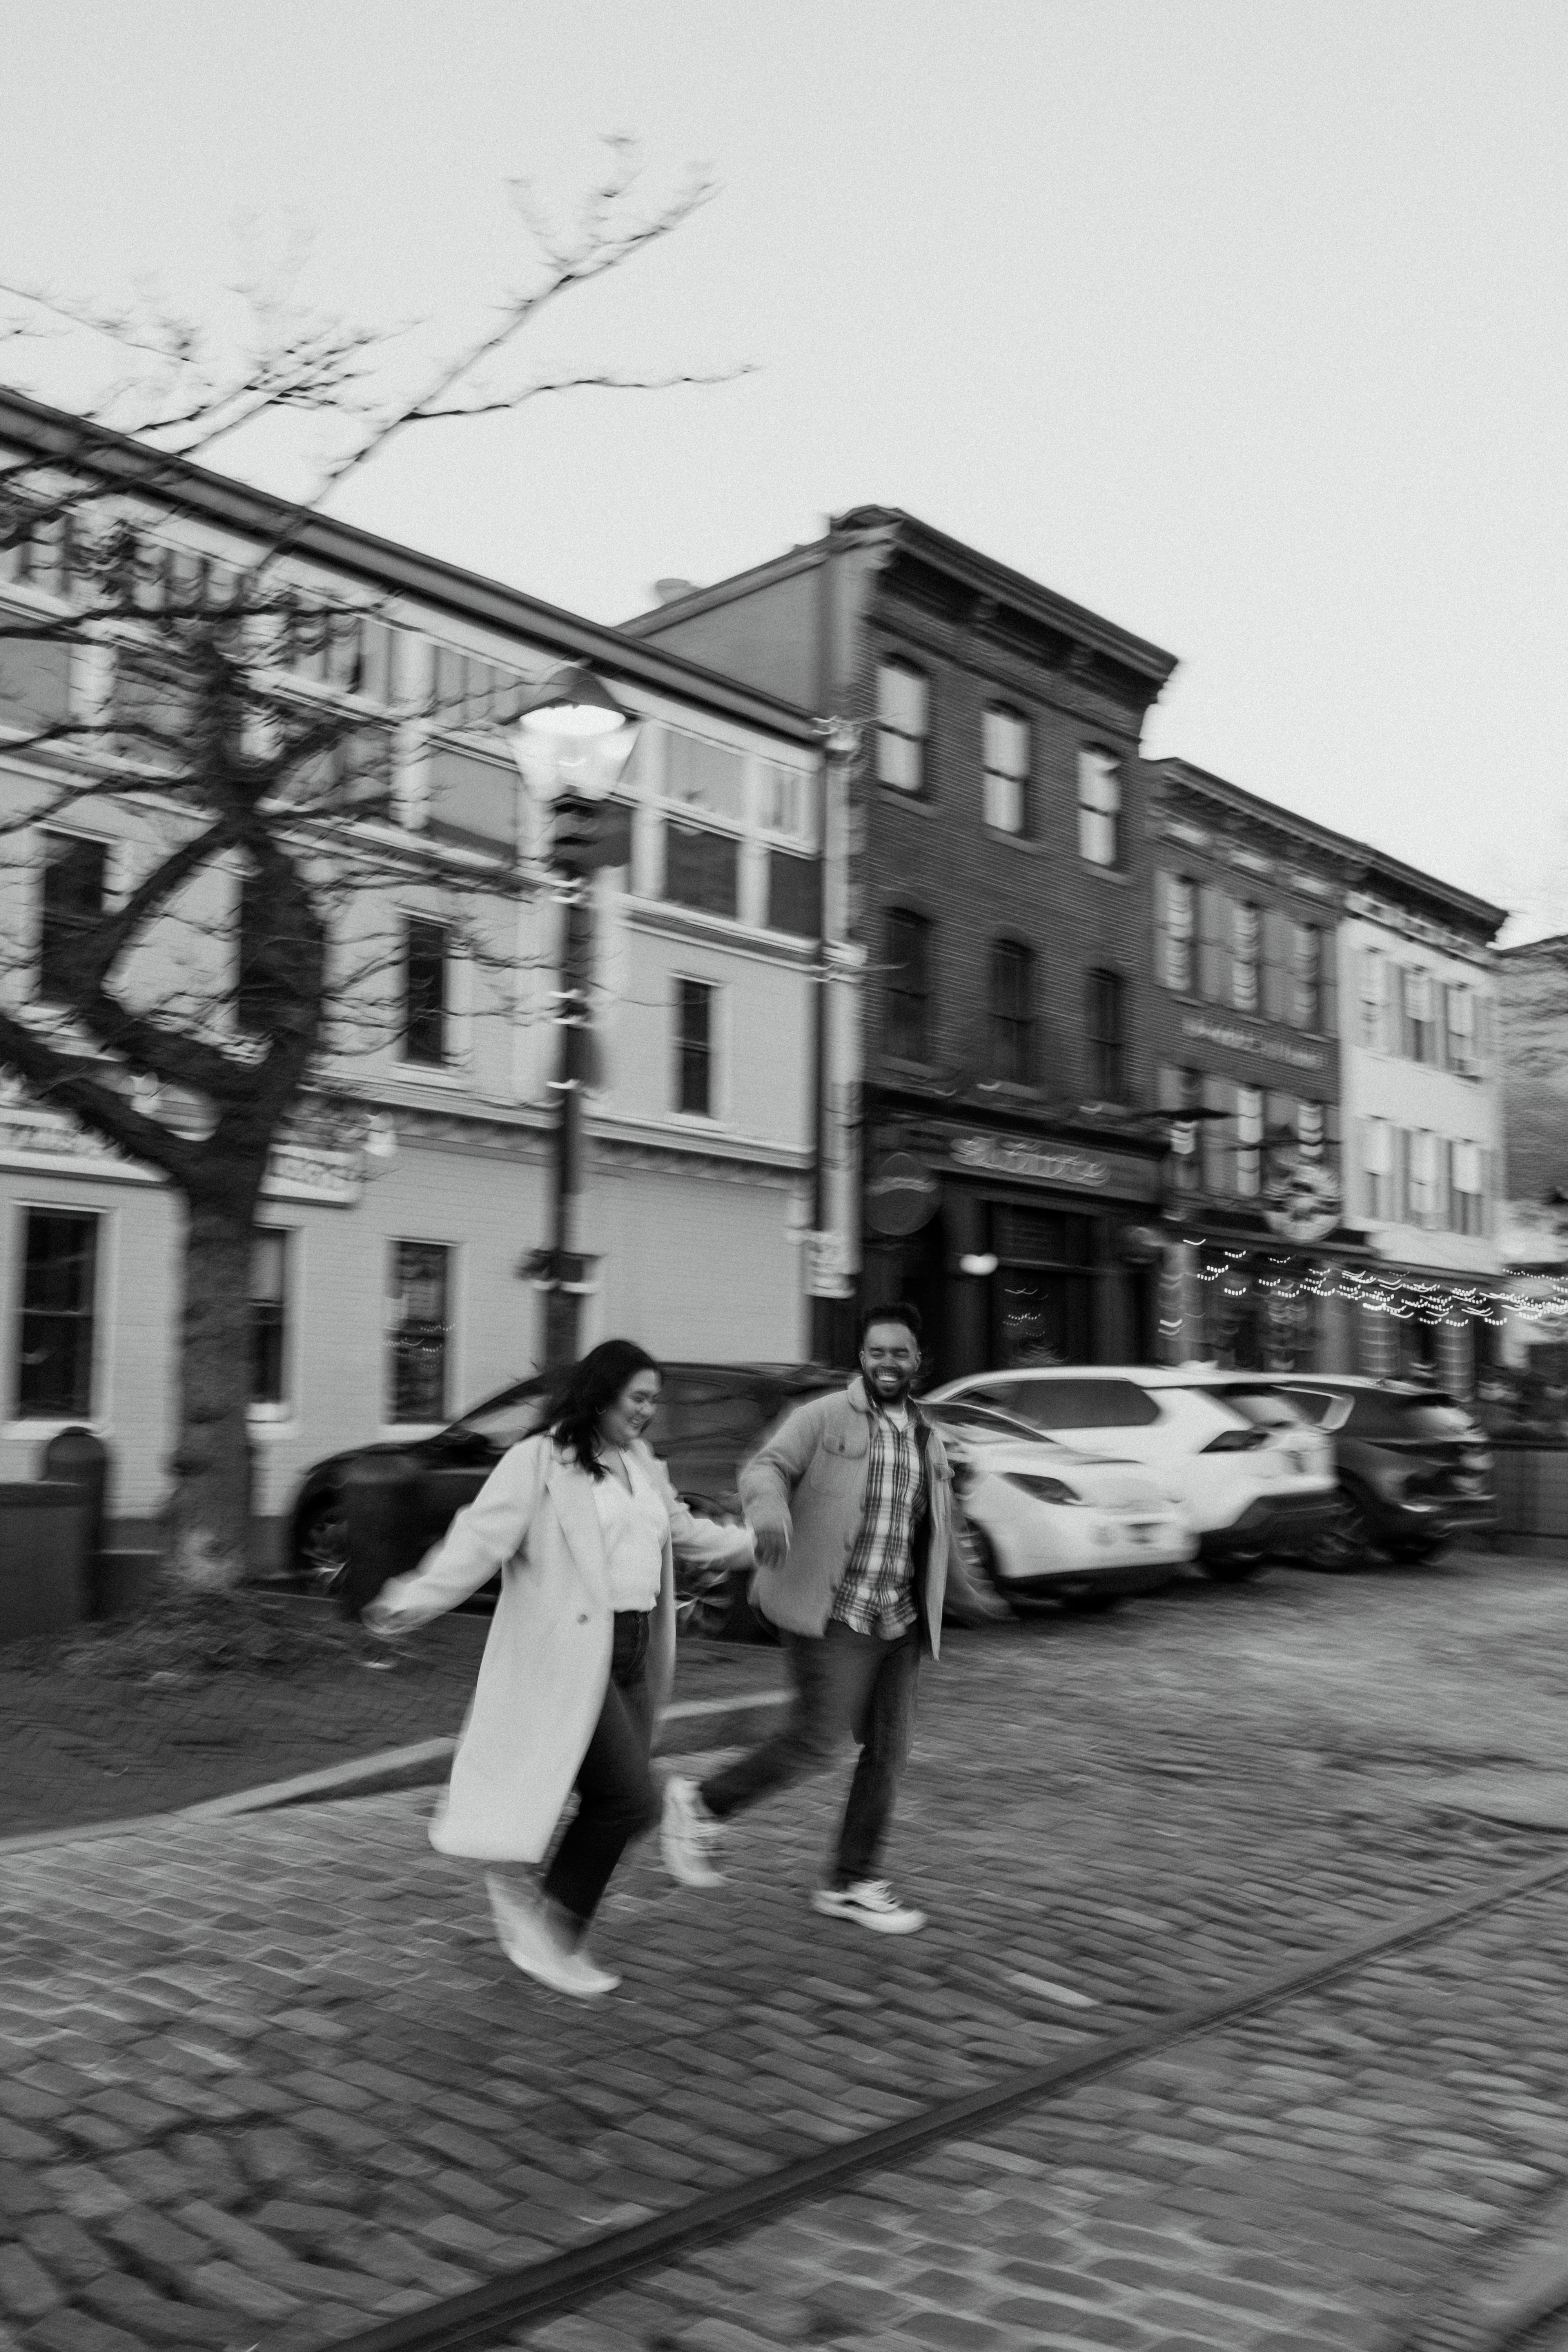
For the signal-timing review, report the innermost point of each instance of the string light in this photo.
(1407, 1299)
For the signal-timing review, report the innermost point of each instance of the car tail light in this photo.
(1044, 1490)
(1237, 1440)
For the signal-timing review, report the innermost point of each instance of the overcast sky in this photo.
(1242, 321)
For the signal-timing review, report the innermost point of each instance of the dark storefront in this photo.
(1017, 1249)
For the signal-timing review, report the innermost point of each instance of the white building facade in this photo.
(1422, 1104)
(388, 1285)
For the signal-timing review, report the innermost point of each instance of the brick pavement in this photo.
(271, 2080)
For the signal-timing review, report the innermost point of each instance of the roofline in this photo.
(889, 524)
(983, 570)
(53, 436)
(1374, 865)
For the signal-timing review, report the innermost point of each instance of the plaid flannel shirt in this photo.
(875, 1594)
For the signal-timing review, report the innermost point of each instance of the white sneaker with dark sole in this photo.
(687, 1833)
(871, 1903)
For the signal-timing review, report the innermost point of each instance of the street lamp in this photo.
(571, 741)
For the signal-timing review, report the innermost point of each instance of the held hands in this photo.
(771, 1543)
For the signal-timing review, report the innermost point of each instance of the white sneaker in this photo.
(686, 1833)
(873, 1903)
(533, 1942)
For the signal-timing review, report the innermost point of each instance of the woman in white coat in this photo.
(583, 1523)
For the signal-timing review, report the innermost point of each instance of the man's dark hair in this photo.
(899, 1311)
(588, 1388)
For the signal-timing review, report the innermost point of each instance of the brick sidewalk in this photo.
(270, 2081)
(76, 1749)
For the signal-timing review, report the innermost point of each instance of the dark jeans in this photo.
(846, 1685)
(617, 1798)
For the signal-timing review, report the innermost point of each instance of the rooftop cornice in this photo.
(54, 436)
(882, 532)
(1360, 864)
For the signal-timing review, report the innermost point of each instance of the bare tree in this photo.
(186, 1017)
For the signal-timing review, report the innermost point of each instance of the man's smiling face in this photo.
(889, 1359)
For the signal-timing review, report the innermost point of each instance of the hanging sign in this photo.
(901, 1194)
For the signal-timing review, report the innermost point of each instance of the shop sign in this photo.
(1238, 1039)
(901, 1194)
(1000, 1156)
(1302, 1202)
(51, 1141)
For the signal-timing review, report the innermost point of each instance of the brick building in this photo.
(1011, 1154)
(1323, 1018)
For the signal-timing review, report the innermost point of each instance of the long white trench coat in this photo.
(546, 1665)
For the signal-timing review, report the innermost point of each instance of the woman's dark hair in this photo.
(588, 1388)
(900, 1311)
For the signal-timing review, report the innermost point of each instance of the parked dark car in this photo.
(1415, 1467)
(709, 1417)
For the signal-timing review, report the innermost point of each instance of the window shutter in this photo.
(1276, 991)
(1213, 957)
(1328, 977)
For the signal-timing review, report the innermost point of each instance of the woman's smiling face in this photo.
(624, 1421)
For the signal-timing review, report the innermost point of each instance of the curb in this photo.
(689, 1726)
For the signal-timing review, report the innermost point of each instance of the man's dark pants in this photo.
(846, 1686)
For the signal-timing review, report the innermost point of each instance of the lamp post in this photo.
(571, 741)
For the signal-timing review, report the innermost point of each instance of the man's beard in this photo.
(897, 1394)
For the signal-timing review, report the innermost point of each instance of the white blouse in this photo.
(634, 1527)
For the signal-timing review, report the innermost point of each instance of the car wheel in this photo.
(1092, 1604)
(1420, 1548)
(1236, 1568)
(980, 1573)
(322, 1549)
(1346, 1542)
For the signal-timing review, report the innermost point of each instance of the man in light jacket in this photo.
(850, 1505)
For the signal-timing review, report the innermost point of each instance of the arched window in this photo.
(903, 725)
(1011, 997)
(908, 986)
(1099, 808)
(1004, 751)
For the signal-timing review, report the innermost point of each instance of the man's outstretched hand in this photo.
(772, 1543)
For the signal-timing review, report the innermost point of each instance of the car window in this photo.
(1082, 1404)
(1376, 1413)
(507, 1419)
(1265, 1408)
(983, 1419)
(1316, 1403)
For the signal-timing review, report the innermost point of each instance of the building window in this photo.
(1006, 782)
(1459, 1028)
(55, 1333)
(425, 1004)
(1377, 1169)
(1177, 925)
(1420, 1039)
(268, 1318)
(702, 869)
(1466, 1190)
(909, 986)
(75, 884)
(1098, 808)
(694, 1047)
(1425, 1206)
(1306, 976)
(903, 725)
(1106, 1006)
(1012, 1005)
(1248, 1142)
(795, 894)
(1181, 1094)
(1246, 927)
(1218, 1137)
(418, 1332)
(467, 693)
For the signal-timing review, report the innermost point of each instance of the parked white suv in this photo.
(1251, 1473)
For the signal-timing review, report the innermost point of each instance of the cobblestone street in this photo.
(269, 2082)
